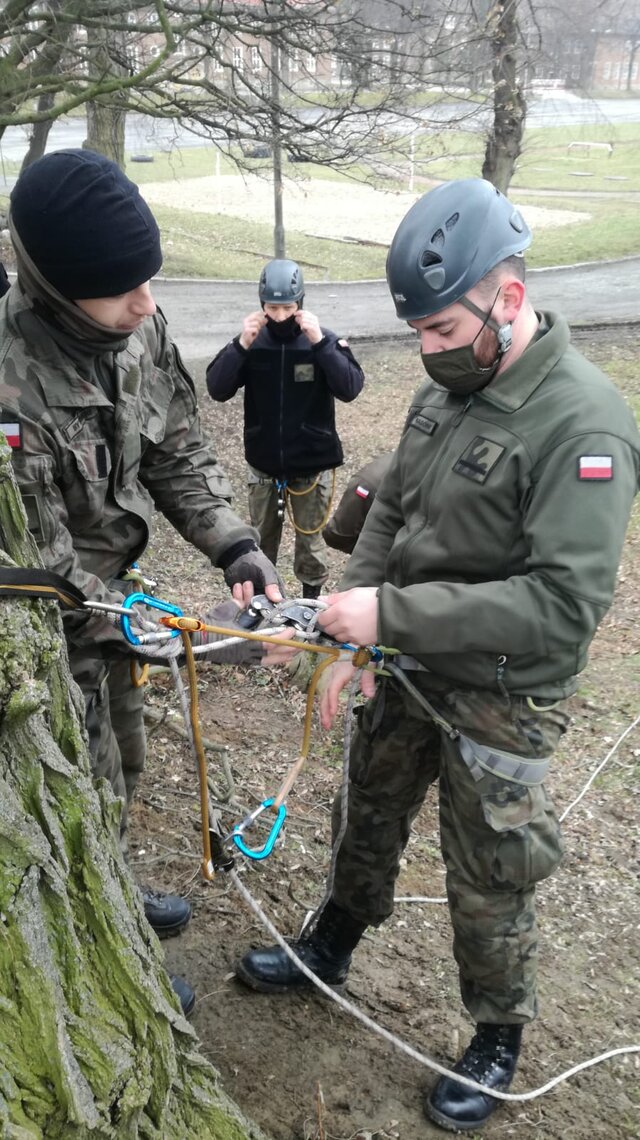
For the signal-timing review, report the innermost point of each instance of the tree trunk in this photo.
(105, 131)
(509, 105)
(39, 132)
(92, 1042)
(106, 121)
(635, 47)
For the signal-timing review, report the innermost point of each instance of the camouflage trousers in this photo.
(115, 724)
(308, 509)
(498, 837)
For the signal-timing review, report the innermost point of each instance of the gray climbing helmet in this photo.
(281, 282)
(447, 242)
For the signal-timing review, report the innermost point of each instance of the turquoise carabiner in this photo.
(153, 603)
(267, 848)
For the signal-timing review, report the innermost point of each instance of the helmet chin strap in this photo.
(503, 332)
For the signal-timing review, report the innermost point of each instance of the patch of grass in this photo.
(214, 245)
(187, 162)
(546, 162)
(222, 247)
(611, 231)
(218, 246)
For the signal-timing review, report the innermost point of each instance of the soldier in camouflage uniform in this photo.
(102, 417)
(487, 559)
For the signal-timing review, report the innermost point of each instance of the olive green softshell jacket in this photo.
(106, 437)
(495, 538)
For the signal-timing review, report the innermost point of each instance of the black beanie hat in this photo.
(85, 225)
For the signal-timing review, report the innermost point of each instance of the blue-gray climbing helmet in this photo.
(281, 283)
(448, 242)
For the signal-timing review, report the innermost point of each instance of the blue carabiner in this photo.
(259, 852)
(153, 603)
(376, 654)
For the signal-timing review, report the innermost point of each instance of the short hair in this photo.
(513, 266)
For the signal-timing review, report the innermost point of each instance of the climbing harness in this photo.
(284, 502)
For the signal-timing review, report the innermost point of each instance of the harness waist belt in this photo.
(480, 759)
(405, 661)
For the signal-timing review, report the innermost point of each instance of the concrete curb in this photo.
(569, 267)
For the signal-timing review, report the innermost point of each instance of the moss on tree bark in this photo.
(92, 1042)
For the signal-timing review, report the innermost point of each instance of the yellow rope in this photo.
(307, 490)
(287, 492)
(188, 625)
(207, 867)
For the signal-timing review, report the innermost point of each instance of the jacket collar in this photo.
(513, 387)
(68, 372)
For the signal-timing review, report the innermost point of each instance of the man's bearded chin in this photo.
(485, 348)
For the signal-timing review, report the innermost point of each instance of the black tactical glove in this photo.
(246, 652)
(245, 562)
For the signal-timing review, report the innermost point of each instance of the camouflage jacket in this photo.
(99, 439)
(496, 536)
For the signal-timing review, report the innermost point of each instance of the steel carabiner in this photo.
(249, 820)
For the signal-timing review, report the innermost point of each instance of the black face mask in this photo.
(457, 369)
(288, 329)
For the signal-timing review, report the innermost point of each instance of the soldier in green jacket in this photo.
(103, 420)
(488, 559)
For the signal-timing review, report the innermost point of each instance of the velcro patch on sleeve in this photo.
(592, 467)
(362, 492)
(13, 433)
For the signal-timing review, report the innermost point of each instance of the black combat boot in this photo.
(167, 914)
(490, 1060)
(184, 993)
(310, 591)
(326, 951)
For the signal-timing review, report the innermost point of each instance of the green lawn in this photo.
(214, 245)
(548, 161)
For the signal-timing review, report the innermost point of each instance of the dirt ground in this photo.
(298, 1065)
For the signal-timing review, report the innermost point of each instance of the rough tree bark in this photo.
(92, 1042)
(504, 143)
(106, 119)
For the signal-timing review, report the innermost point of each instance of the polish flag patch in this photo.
(362, 492)
(13, 432)
(595, 467)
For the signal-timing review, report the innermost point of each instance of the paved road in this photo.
(204, 315)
